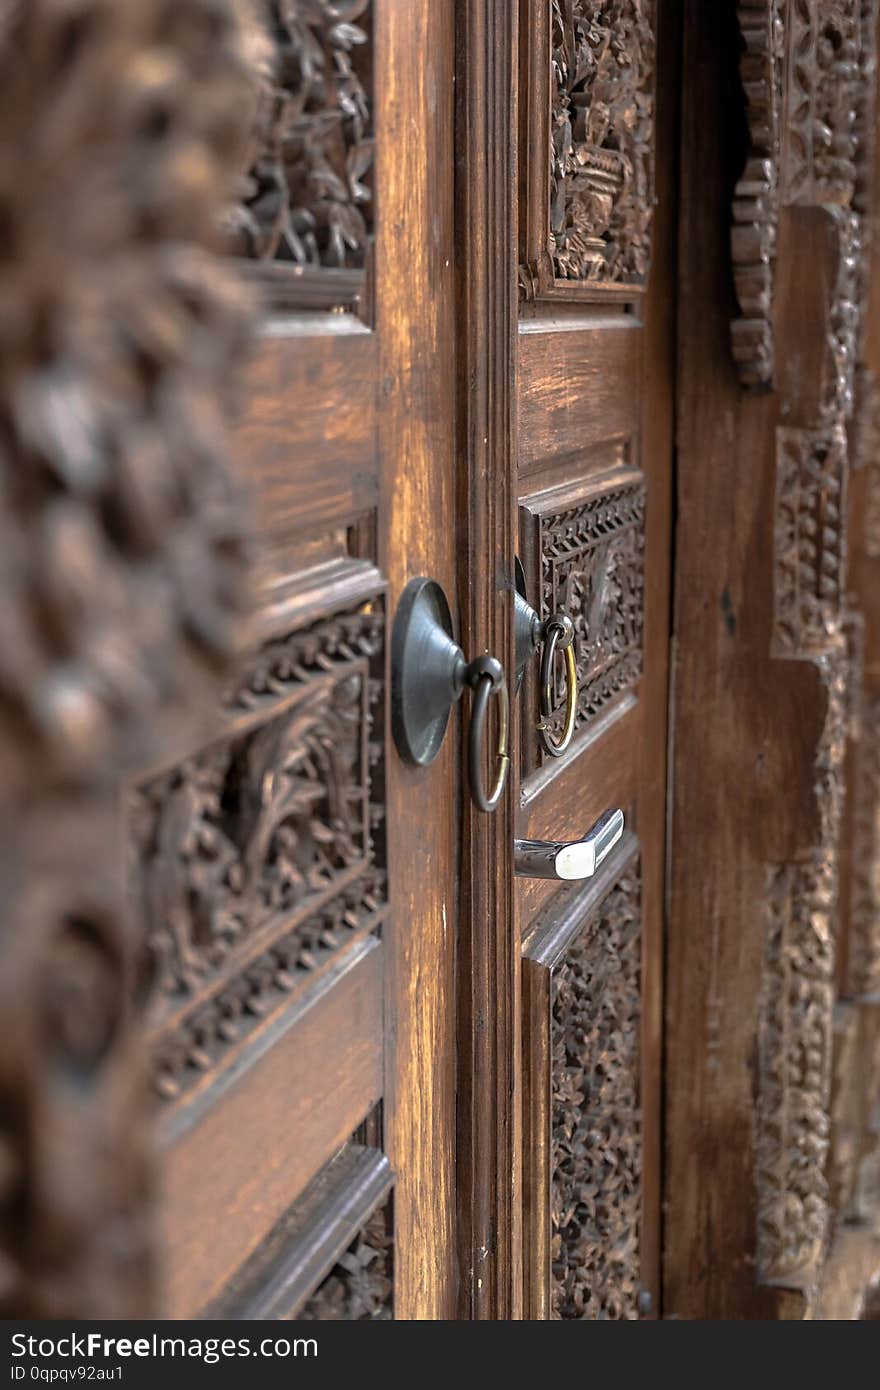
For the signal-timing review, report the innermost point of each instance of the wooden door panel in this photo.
(575, 395)
(312, 1077)
(593, 519)
(328, 471)
(301, 1074)
(582, 1095)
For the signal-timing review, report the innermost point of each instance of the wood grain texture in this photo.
(318, 1075)
(415, 325)
(307, 442)
(488, 1112)
(574, 375)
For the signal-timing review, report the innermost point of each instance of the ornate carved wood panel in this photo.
(301, 1035)
(306, 210)
(262, 858)
(288, 917)
(583, 552)
(583, 1142)
(587, 84)
(808, 80)
(596, 197)
(306, 197)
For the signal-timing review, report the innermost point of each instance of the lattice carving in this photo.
(260, 858)
(810, 537)
(592, 560)
(359, 1287)
(122, 564)
(307, 198)
(602, 139)
(596, 1138)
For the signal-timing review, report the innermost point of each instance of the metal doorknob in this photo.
(569, 859)
(429, 672)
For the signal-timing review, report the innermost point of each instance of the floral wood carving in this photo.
(596, 1138)
(260, 858)
(592, 558)
(122, 563)
(602, 136)
(307, 198)
(359, 1287)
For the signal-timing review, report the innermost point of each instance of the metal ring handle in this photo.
(485, 675)
(558, 635)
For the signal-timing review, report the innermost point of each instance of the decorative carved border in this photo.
(587, 76)
(795, 1038)
(810, 537)
(794, 1052)
(755, 202)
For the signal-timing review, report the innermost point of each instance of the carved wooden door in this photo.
(388, 1078)
(593, 477)
(299, 880)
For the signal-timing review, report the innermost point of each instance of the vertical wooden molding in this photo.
(489, 960)
(415, 259)
(120, 532)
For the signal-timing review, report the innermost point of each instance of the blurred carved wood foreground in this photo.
(306, 198)
(121, 552)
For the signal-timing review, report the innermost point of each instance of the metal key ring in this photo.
(485, 676)
(558, 635)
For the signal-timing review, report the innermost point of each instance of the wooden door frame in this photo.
(489, 961)
(768, 1043)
